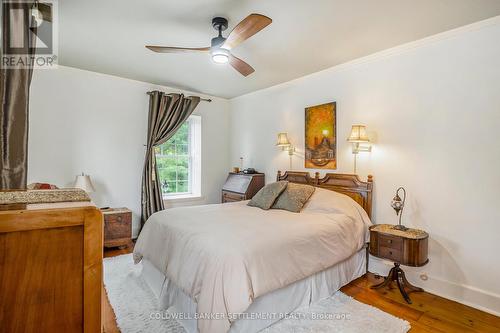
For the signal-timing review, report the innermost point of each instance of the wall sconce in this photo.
(285, 145)
(360, 141)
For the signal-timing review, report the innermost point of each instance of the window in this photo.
(178, 161)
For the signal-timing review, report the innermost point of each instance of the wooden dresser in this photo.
(51, 268)
(241, 186)
(117, 226)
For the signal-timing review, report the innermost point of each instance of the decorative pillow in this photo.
(42, 186)
(294, 197)
(267, 195)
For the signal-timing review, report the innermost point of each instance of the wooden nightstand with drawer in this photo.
(408, 247)
(117, 226)
(242, 186)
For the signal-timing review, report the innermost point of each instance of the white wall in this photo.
(433, 110)
(96, 123)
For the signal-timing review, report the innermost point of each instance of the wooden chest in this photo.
(241, 186)
(117, 226)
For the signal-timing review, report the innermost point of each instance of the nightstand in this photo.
(242, 186)
(117, 226)
(408, 247)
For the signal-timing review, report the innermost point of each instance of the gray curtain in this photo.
(14, 95)
(167, 112)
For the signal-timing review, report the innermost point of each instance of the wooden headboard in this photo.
(349, 185)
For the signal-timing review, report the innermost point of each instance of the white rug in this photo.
(134, 303)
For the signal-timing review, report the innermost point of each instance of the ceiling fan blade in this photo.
(166, 49)
(241, 66)
(251, 25)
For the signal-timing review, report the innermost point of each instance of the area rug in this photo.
(133, 303)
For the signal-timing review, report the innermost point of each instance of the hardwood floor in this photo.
(428, 313)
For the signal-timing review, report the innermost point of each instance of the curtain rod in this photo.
(201, 99)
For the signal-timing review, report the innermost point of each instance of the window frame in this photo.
(194, 162)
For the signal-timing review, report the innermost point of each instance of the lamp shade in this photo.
(358, 134)
(83, 182)
(283, 140)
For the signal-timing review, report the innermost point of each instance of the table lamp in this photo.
(83, 182)
(398, 204)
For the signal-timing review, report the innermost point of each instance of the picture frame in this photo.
(321, 136)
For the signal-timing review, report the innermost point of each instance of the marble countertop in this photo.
(389, 229)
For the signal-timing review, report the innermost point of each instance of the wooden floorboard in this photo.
(428, 314)
(109, 321)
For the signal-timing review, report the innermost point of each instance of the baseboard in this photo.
(461, 293)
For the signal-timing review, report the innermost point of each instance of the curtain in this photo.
(167, 112)
(14, 95)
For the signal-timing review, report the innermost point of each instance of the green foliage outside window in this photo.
(172, 162)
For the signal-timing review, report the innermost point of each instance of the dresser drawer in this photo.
(390, 253)
(231, 196)
(392, 242)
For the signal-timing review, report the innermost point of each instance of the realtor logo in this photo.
(30, 36)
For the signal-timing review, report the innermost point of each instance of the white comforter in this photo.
(226, 255)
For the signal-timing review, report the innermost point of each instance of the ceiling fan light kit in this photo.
(220, 46)
(220, 56)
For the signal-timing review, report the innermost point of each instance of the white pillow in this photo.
(331, 202)
(326, 201)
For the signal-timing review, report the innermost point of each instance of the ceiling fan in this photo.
(220, 49)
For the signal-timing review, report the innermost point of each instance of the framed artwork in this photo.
(321, 136)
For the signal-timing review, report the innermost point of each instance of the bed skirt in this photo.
(266, 309)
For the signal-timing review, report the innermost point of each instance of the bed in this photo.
(234, 268)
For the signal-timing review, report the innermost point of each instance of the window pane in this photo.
(164, 186)
(172, 162)
(161, 162)
(183, 174)
(182, 186)
(166, 165)
(168, 149)
(171, 187)
(182, 149)
(182, 163)
(182, 135)
(182, 167)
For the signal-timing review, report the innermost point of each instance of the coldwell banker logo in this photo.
(30, 36)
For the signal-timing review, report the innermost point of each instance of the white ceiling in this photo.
(306, 36)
